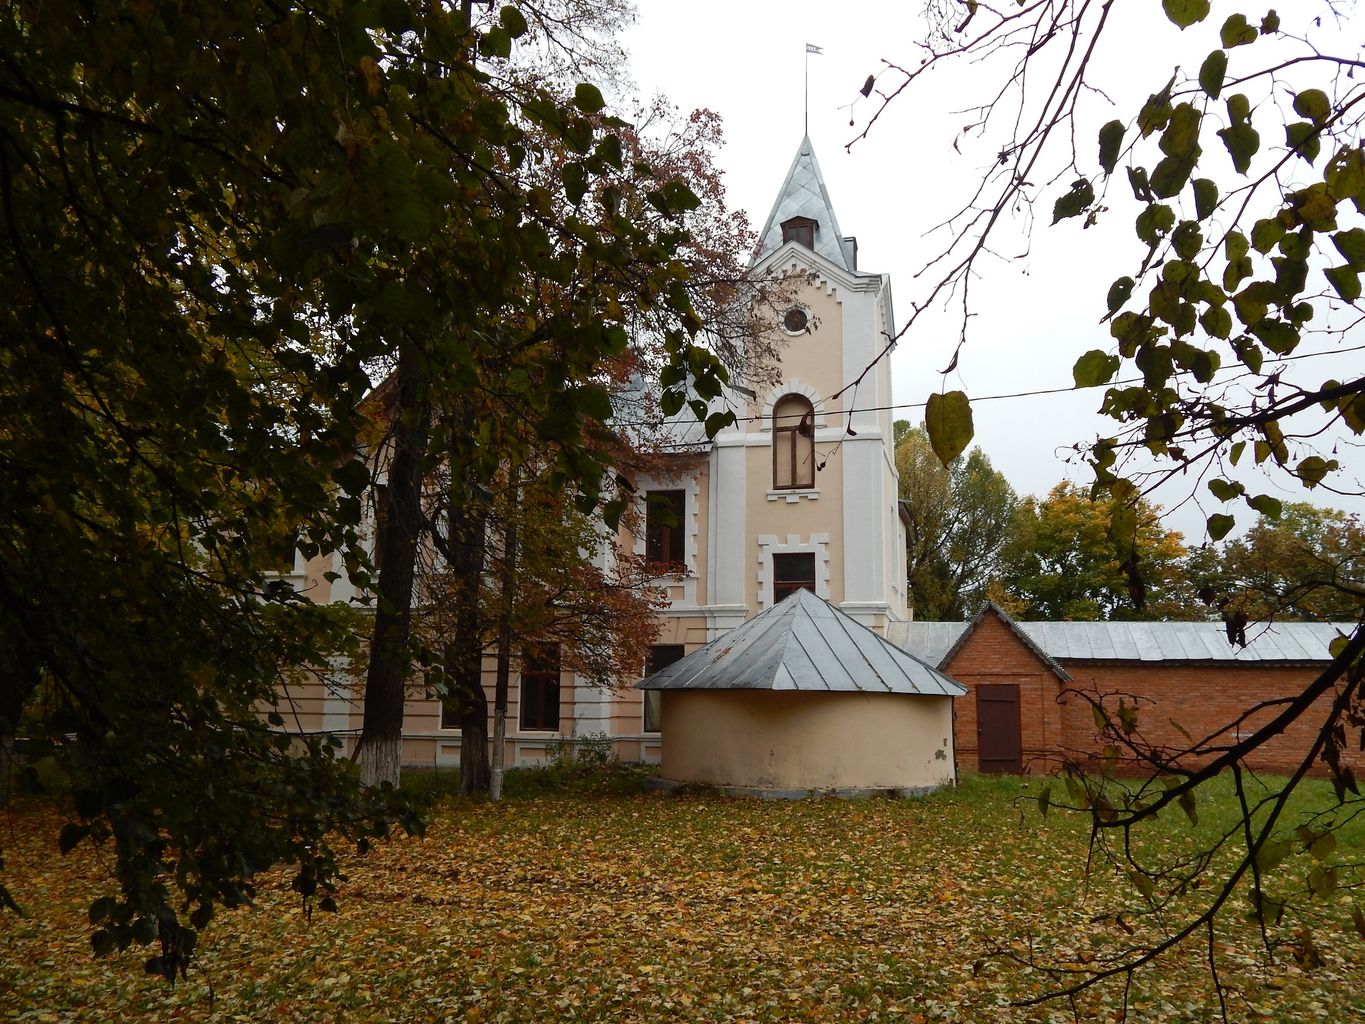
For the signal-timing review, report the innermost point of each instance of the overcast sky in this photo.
(1038, 306)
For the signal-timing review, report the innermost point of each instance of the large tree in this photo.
(219, 224)
(959, 519)
(1307, 564)
(1243, 175)
(1060, 562)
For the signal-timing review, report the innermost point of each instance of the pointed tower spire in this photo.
(804, 203)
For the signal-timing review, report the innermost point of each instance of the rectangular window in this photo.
(665, 534)
(800, 230)
(793, 572)
(659, 656)
(540, 690)
(450, 719)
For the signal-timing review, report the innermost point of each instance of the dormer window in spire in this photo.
(800, 230)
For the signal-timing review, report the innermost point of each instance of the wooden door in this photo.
(999, 749)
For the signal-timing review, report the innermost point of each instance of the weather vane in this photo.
(810, 48)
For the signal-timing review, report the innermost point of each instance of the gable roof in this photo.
(803, 194)
(990, 607)
(1284, 642)
(803, 643)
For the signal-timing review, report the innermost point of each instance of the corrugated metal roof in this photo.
(803, 643)
(1140, 641)
(804, 195)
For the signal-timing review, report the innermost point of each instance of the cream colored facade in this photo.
(739, 517)
(776, 740)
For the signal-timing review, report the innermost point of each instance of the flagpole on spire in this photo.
(810, 48)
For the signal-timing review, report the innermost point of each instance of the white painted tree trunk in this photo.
(379, 760)
(499, 745)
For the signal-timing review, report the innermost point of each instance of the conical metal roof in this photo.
(803, 643)
(804, 195)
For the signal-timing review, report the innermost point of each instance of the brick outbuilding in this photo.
(1028, 683)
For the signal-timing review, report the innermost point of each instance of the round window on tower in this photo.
(795, 320)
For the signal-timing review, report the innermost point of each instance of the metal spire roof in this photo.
(803, 643)
(804, 195)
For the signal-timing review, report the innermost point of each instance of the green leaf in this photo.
(718, 421)
(1187, 804)
(1119, 293)
(1268, 506)
(1181, 137)
(1153, 222)
(1169, 176)
(1205, 197)
(1313, 469)
(1235, 453)
(352, 477)
(1219, 524)
(1111, 143)
(1303, 138)
(1137, 181)
(1270, 23)
(102, 942)
(588, 98)
(1044, 800)
(1075, 202)
(496, 42)
(1266, 234)
(948, 419)
(1142, 883)
(1351, 245)
(1345, 174)
(671, 403)
(575, 180)
(1313, 104)
(1212, 72)
(1185, 13)
(1095, 368)
(1216, 321)
(1236, 31)
(70, 835)
(513, 21)
(1323, 881)
(1241, 141)
(1345, 280)
(1187, 240)
(1156, 111)
(1225, 490)
(1323, 846)
(1272, 853)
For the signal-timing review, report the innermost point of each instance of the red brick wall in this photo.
(1201, 698)
(994, 654)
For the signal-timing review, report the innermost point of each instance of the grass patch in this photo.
(590, 904)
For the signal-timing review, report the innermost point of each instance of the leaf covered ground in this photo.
(586, 907)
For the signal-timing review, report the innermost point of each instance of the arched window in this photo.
(793, 443)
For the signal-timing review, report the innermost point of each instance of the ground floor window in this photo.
(659, 656)
(540, 690)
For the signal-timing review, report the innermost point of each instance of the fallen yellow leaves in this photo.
(653, 909)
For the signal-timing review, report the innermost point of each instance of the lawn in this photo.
(610, 906)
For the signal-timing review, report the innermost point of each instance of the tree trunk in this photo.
(468, 519)
(508, 598)
(22, 682)
(379, 751)
(474, 775)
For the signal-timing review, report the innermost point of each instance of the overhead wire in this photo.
(987, 398)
